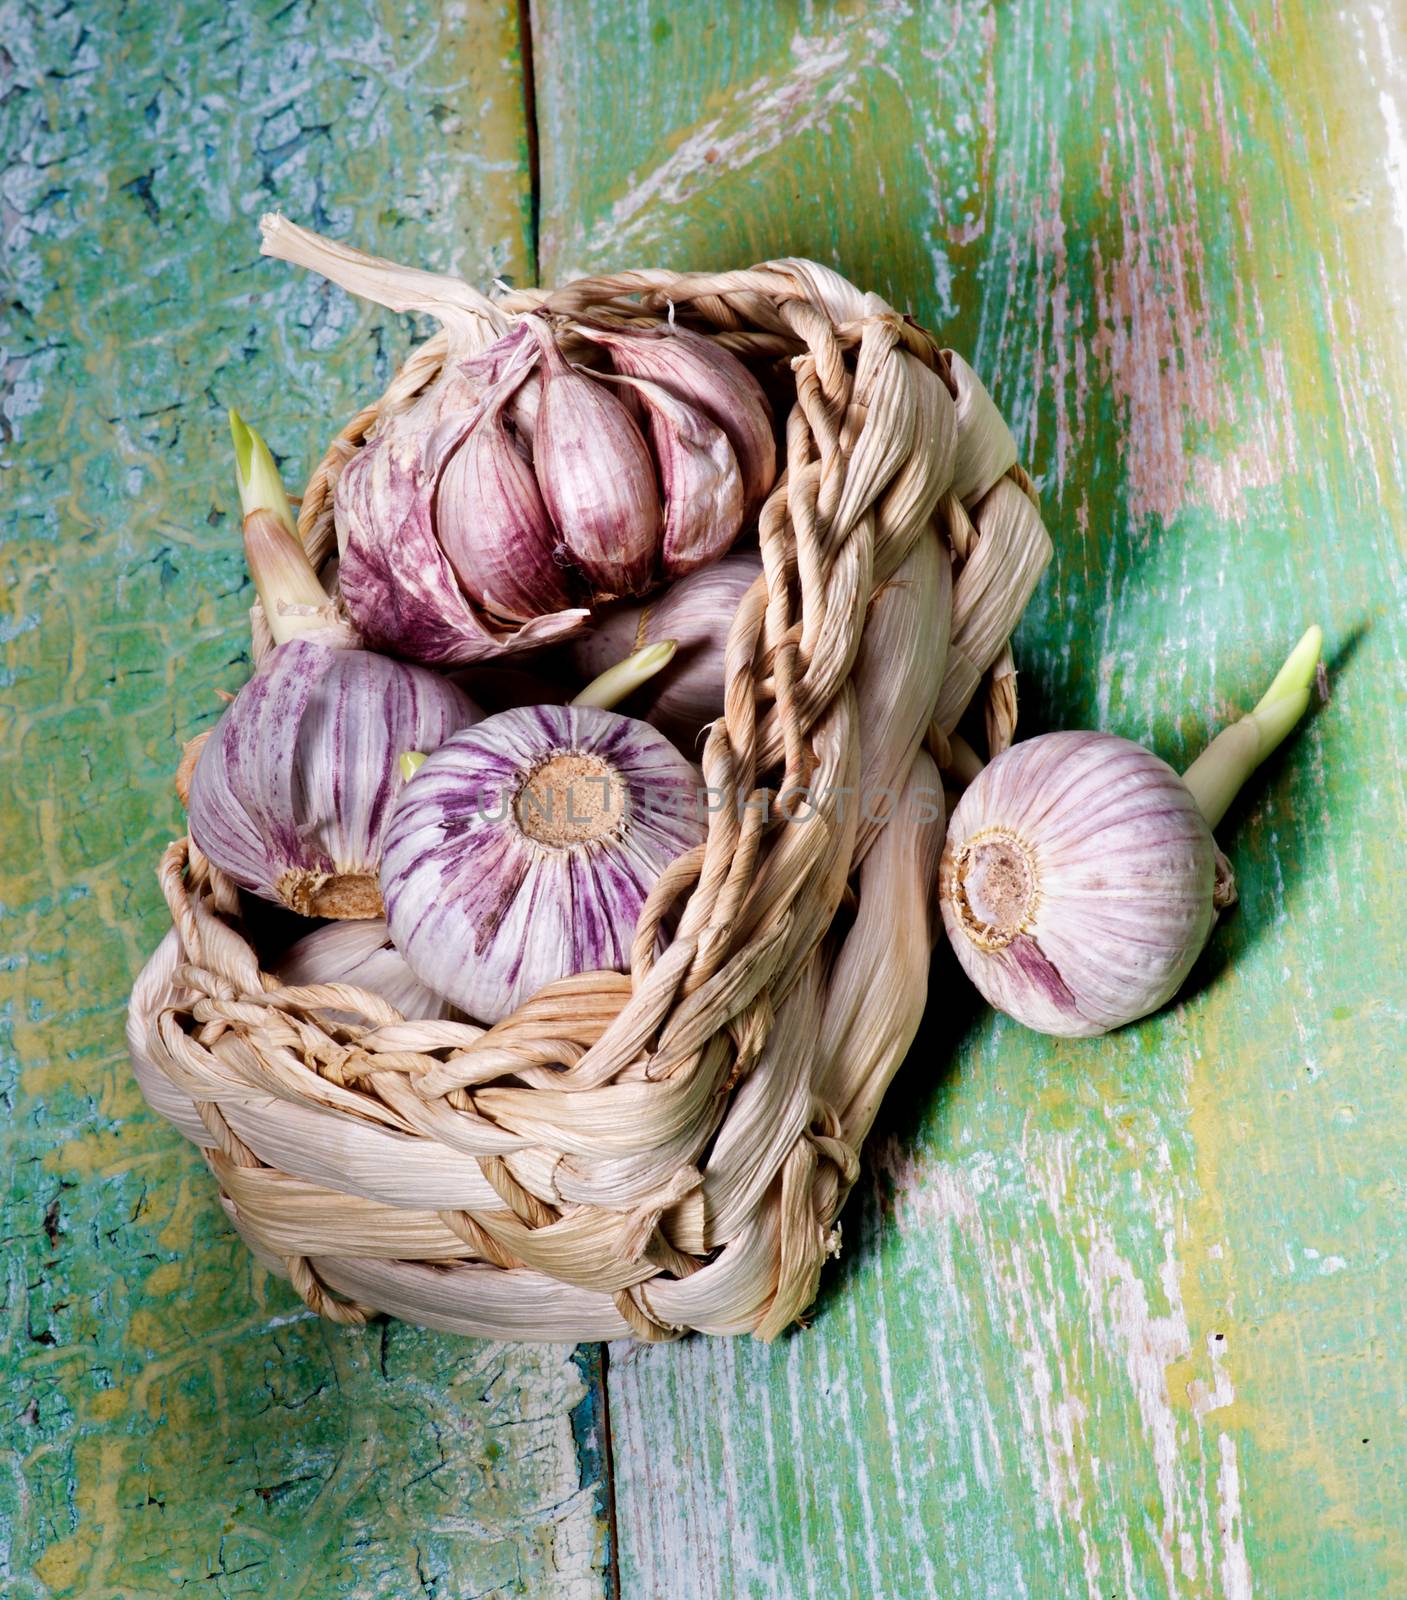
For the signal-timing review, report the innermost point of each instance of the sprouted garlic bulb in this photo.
(1080, 880)
(697, 611)
(292, 789)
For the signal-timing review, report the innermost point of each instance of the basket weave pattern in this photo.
(664, 1150)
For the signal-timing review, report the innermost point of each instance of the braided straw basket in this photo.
(664, 1150)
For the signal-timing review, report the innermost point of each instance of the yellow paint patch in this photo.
(62, 1562)
(107, 1405)
(165, 1279)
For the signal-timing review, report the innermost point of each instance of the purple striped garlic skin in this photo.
(704, 375)
(596, 476)
(698, 476)
(294, 788)
(1077, 883)
(524, 849)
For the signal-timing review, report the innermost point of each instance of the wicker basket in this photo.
(665, 1150)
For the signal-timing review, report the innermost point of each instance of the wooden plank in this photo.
(1121, 1317)
(171, 1416)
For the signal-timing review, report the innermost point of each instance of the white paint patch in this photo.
(760, 117)
(927, 1192)
(1235, 1569)
(1150, 1343)
(1391, 65)
(1219, 1393)
(1395, 159)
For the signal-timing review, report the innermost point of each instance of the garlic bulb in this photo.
(1080, 879)
(293, 788)
(524, 848)
(396, 581)
(518, 489)
(447, 561)
(361, 954)
(696, 611)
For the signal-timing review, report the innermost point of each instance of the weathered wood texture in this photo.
(1121, 1317)
(172, 1418)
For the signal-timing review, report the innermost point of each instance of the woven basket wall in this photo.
(668, 1149)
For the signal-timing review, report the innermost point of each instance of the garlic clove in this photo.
(711, 380)
(491, 522)
(524, 849)
(292, 791)
(596, 476)
(703, 491)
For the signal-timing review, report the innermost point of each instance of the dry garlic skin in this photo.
(360, 954)
(1077, 882)
(524, 851)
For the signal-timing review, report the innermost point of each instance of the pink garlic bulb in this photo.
(1077, 882)
(518, 490)
(432, 599)
(1080, 879)
(294, 787)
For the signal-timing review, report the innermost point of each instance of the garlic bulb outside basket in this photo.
(1080, 879)
(523, 851)
(1077, 883)
(294, 786)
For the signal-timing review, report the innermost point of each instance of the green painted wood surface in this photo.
(1122, 1317)
(174, 1421)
